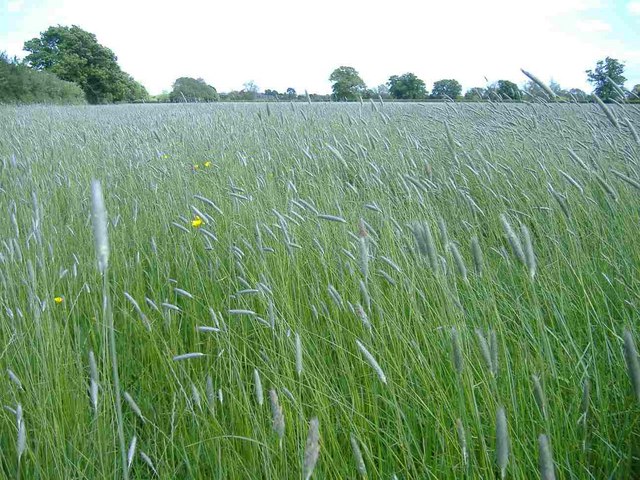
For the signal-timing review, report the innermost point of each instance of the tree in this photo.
(475, 94)
(406, 86)
(635, 92)
(557, 89)
(347, 84)
(76, 56)
(250, 90)
(578, 95)
(291, 93)
(187, 89)
(21, 84)
(607, 71)
(446, 88)
(383, 91)
(506, 89)
(535, 90)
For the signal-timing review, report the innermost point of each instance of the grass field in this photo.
(439, 285)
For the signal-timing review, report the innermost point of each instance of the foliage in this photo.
(607, 71)
(578, 95)
(383, 91)
(406, 86)
(250, 90)
(187, 89)
(475, 94)
(76, 56)
(506, 89)
(347, 84)
(238, 96)
(20, 84)
(446, 88)
(291, 92)
(535, 90)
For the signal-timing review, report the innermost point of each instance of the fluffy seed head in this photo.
(538, 394)
(633, 365)
(276, 414)
(311, 449)
(462, 439)
(372, 362)
(99, 220)
(258, 386)
(514, 241)
(502, 442)
(132, 451)
(298, 355)
(545, 459)
(357, 455)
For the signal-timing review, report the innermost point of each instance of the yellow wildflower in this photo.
(196, 166)
(207, 164)
(196, 222)
(58, 300)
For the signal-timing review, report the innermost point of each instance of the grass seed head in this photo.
(311, 449)
(545, 459)
(502, 442)
(633, 365)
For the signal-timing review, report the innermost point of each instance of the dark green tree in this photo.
(21, 84)
(187, 89)
(291, 93)
(76, 56)
(506, 89)
(446, 88)
(347, 84)
(475, 94)
(577, 95)
(635, 92)
(607, 71)
(406, 86)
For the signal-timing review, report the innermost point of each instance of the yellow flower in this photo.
(207, 164)
(58, 300)
(196, 166)
(196, 222)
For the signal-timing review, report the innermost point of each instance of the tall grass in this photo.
(420, 291)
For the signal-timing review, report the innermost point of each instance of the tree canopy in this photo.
(75, 55)
(21, 84)
(475, 94)
(607, 75)
(291, 92)
(347, 84)
(506, 89)
(446, 88)
(406, 86)
(187, 89)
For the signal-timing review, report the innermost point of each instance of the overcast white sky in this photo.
(297, 43)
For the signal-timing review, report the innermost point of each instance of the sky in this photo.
(298, 43)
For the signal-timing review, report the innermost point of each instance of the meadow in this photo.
(394, 291)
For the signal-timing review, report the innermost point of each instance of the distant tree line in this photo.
(607, 79)
(64, 61)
